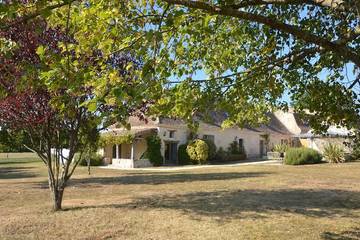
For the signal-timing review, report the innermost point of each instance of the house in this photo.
(256, 142)
(334, 135)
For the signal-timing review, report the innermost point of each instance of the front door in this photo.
(262, 148)
(170, 153)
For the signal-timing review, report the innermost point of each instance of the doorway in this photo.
(171, 153)
(262, 148)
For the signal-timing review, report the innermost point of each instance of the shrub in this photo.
(221, 155)
(198, 151)
(153, 150)
(234, 148)
(236, 157)
(355, 145)
(299, 156)
(212, 149)
(280, 148)
(95, 159)
(183, 156)
(355, 154)
(234, 154)
(334, 153)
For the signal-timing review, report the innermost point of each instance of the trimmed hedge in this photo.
(300, 156)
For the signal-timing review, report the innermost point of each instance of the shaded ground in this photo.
(244, 202)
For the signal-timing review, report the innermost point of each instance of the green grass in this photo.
(244, 202)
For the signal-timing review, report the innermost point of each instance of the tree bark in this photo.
(57, 197)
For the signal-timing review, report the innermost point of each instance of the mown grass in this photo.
(244, 202)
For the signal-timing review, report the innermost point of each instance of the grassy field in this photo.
(244, 202)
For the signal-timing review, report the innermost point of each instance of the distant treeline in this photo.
(13, 142)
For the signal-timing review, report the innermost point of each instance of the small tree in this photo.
(59, 82)
(198, 151)
(50, 131)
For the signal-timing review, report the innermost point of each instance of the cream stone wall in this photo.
(224, 137)
(180, 136)
(251, 139)
(139, 148)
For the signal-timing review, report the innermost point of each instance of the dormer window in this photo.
(171, 134)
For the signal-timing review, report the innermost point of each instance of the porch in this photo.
(129, 155)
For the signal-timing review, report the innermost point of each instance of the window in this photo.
(171, 134)
(284, 141)
(209, 137)
(241, 145)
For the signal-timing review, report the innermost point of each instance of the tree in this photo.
(253, 53)
(61, 82)
(13, 142)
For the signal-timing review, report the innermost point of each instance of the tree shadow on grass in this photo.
(16, 172)
(227, 205)
(346, 235)
(162, 178)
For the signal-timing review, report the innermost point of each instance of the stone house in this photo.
(282, 128)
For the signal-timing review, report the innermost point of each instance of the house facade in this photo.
(334, 135)
(256, 142)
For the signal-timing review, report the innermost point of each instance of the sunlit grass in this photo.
(244, 202)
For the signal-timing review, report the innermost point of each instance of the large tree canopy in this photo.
(252, 52)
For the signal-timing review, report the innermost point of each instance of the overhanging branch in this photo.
(340, 49)
(28, 17)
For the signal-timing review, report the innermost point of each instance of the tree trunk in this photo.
(57, 197)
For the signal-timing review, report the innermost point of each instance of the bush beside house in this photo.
(95, 159)
(212, 149)
(183, 156)
(334, 153)
(198, 151)
(355, 146)
(300, 156)
(281, 149)
(153, 152)
(234, 153)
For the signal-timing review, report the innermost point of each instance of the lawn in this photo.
(244, 202)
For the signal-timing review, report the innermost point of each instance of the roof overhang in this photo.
(137, 133)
